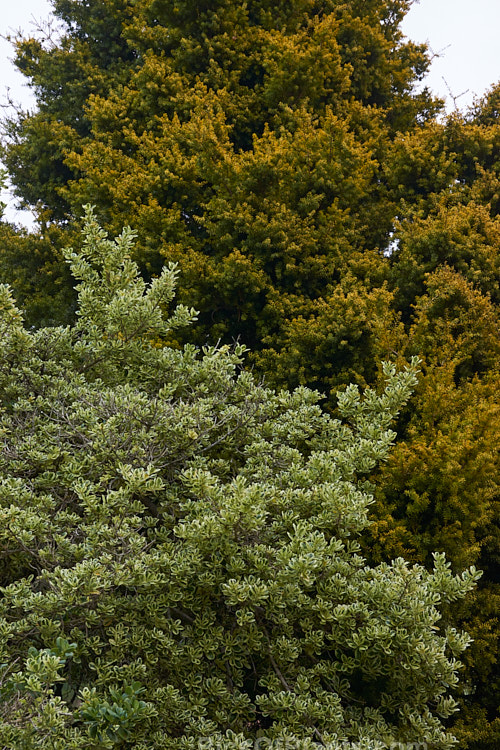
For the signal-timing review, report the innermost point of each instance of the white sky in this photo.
(463, 34)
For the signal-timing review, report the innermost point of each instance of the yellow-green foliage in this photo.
(248, 141)
(439, 488)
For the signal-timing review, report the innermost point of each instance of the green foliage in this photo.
(445, 279)
(439, 487)
(249, 142)
(317, 211)
(37, 274)
(182, 558)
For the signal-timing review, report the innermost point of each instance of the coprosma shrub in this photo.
(179, 557)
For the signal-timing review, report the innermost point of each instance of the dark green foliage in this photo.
(247, 141)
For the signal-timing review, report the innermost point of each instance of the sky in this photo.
(463, 36)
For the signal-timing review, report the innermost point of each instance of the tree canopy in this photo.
(322, 209)
(247, 140)
(182, 560)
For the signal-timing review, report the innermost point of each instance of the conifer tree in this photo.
(248, 142)
(439, 488)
